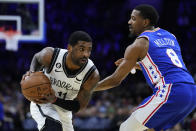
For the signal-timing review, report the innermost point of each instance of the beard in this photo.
(131, 35)
(79, 61)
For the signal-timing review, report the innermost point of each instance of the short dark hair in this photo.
(79, 36)
(148, 12)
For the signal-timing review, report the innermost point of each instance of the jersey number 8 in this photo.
(174, 58)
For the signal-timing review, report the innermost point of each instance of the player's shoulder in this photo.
(57, 51)
(48, 48)
(141, 41)
(46, 51)
(90, 65)
(157, 32)
(90, 62)
(151, 32)
(92, 73)
(51, 51)
(62, 49)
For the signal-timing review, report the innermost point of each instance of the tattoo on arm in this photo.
(41, 59)
(86, 90)
(35, 65)
(84, 98)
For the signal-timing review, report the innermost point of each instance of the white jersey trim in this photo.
(154, 74)
(145, 111)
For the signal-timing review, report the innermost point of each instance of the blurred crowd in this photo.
(106, 22)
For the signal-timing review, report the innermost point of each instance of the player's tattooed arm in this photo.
(42, 59)
(87, 88)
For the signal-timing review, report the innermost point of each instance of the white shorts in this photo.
(40, 112)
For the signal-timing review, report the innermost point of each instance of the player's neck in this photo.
(70, 65)
(149, 28)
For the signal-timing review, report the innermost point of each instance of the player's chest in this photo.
(61, 82)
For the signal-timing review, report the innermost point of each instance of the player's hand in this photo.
(119, 61)
(137, 66)
(26, 75)
(46, 98)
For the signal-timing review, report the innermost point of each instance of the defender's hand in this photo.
(119, 61)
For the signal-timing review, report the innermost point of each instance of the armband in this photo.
(71, 105)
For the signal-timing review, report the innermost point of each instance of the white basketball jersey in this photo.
(67, 86)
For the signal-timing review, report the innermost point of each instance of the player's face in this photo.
(136, 23)
(81, 52)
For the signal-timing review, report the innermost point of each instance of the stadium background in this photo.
(106, 22)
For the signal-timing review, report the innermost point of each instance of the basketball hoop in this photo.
(11, 38)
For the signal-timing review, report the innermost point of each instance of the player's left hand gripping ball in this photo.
(46, 98)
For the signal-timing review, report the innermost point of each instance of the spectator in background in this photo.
(193, 122)
(1, 115)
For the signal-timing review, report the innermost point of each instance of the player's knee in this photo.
(125, 126)
(131, 124)
(122, 127)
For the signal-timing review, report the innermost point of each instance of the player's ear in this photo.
(146, 22)
(69, 48)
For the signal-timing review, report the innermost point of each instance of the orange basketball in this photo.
(35, 85)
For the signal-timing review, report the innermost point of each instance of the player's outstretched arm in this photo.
(133, 53)
(119, 61)
(87, 89)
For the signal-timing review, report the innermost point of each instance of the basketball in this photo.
(35, 85)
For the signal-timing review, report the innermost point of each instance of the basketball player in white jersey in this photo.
(73, 77)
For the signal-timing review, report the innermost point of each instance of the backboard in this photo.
(24, 16)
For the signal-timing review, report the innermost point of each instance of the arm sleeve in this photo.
(71, 105)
